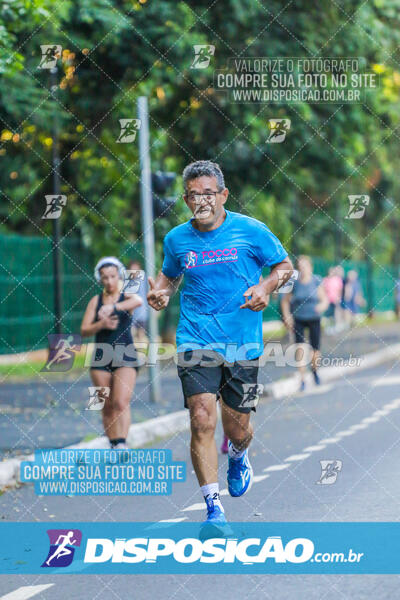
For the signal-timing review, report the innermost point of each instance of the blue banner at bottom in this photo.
(154, 548)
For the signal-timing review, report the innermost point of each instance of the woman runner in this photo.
(108, 316)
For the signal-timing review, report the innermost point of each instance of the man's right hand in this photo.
(157, 299)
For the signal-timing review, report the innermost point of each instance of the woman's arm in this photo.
(88, 326)
(323, 303)
(130, 303)
(285, 308)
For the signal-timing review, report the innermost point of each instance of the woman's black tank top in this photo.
(122, 334)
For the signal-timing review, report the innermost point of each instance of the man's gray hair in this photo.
(203, 167)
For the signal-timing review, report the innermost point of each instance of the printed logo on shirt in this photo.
(210, 257)
(190, 260)
(219, 255)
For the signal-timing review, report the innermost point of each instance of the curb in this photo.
(149, 431)
(139, 434)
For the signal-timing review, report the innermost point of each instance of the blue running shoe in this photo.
(216, 524)
(240, 475)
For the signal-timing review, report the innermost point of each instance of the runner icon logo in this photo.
(251, 394)
(278, 130)
(202, 56)
(50, 54)
(54, 206)
(329, 471)
(190, 260)
(287, 286)
(62, 547)
(358, 204)
(132, 281)
(62, 349)
(129, 128)
(97, 397)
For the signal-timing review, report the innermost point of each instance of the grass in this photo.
(275, 334)
(89, 437)
(33, 369)
(378, 319)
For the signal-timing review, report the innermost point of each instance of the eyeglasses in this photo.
(208, 197)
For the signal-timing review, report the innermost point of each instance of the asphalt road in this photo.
(291, 437)
(47, 412)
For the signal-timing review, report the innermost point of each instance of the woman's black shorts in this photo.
(314, 326)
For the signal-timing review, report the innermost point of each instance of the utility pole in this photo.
(56, 222)
(146, 206)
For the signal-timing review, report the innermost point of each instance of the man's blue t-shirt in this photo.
(218, 267)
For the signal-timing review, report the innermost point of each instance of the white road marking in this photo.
(381, 413)
(178, 520)
(395, 380)
(258, 478)
(306, 452)
(276, 467)
(393, 404)
(319, 389)
(26, 591)
(197, 506)
(297, 457)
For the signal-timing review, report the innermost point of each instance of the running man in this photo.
(64, 351)
(219, 337)
(108, 317)
(62, 542)
(54, 205)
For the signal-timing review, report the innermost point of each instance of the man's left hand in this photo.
(259, 298)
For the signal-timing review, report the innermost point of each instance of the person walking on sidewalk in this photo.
(333, 286)
(353, 298)
(108, 316)
(220, 254)
(302, 309)
(140, 315)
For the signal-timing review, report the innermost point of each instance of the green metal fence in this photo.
(27, 299)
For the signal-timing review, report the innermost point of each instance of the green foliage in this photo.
(116, 50)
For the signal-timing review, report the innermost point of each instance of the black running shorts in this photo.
(235, 382)
(314, 326)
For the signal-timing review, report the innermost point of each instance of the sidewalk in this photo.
(52, 414)
(352, 343)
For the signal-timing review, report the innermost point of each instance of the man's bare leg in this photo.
(203, 420)
(237, 426)
(239, 430)
(203, 450)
